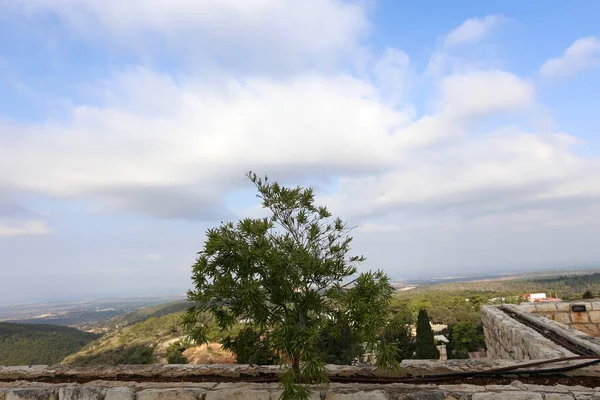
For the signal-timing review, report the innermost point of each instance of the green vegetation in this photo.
(286, 277)
(399, 334)
(134, 344)
(464, 337)
(175, 353)
(140, 315)
(24, 344)
(567, 287)
(425, 344)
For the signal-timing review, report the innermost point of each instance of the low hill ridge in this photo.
(26, 344)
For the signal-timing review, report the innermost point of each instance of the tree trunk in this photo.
(296, 365)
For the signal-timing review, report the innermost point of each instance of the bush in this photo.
(175, 354)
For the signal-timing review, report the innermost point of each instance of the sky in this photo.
(458, 137)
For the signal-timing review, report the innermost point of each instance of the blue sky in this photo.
(460, 138)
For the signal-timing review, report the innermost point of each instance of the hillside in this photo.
(134, 344)
(24, 344)
(566, 286)
(134, 317)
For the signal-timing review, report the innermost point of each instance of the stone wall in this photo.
(99, 391)
(156, 382)
(241, 391)
(507, 339)
(586, 321)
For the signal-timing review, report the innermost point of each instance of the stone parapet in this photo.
(574, 335)
(508, 339)
(221, 391)
(587, 321)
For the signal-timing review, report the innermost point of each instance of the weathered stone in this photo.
(427, 395)
(594, 316)
(540, 388)
(549, 315)
(79, 393)
(374, 395)
(238, 394)
(30, 394)
(507, 396)
(579, 317)
(545, 307)
(585, 396)
(499, 388)
(2, 394)
(530, 308)
(120, 393)
(276, 395)
(563, 317)
(589, 329)
(558, 396)
(167, 394)
(463, 388)
(563, 307)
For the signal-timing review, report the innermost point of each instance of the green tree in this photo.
(465, 337)
(399, 333)
(425, 345)
(250, 348)
(339, 344)
(287, 276)
(175, 353)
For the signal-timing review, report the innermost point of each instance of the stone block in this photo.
(545, 307)
(558, 396)
(167, 394)
(563, 317)
(563, 307)
(79, 393)
(2, 394)
(430, 395)
(595, 305)
(30, 394)
(594, 316)
(585, 396)
(239, 394)
(507, 396)
(120, 394)
(277, 394)
(548, 315)
(579, 317)
(589, 329)
(465, 387)
(374, 395)
(528, 308)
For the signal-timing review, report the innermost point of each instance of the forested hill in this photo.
(133, 344)
(141, 315)
(25, 344)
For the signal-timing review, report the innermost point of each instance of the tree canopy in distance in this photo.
(286, 278)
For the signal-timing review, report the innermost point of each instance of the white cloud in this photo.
(473, 30)
(179, 154)
(475, 176)
(393, 75)
(581, 55)
(274, 35)
(449, 57)
(485, 92)
(180, 151)
(25, 228)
